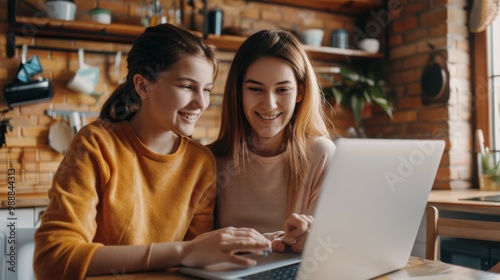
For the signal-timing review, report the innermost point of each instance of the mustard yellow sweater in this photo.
(110, 189)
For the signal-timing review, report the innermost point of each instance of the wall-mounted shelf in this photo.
(123, 33)
(346, 7)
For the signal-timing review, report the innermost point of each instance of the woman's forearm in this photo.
(128, 259)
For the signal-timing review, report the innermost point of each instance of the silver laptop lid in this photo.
(370, 208)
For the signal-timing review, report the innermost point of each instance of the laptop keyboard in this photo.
(281, 273)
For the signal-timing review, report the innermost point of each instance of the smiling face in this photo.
(270, 93)
(176, 101)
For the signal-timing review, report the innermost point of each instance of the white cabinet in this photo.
(25, 220)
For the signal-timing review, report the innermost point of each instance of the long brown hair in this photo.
(156, 50)
(308, 122)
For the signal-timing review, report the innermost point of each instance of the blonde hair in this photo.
(308, 122)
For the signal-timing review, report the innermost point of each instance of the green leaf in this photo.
(355, 89)
(337, 94)
(357, 105)
(366, 96)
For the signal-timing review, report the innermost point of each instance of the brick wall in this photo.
(27, 147)
(410, 29)
(442, 24)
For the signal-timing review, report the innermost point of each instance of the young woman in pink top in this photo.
(133, 192)
(274, 145)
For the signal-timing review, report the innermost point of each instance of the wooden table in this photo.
(452, 200)
(416, 268)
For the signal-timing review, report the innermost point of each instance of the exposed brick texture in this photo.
(444, 25)
(412, 25)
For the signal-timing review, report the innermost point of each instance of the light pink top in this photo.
(257, 199)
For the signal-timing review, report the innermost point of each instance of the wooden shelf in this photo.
(347, 7)
(122, 33)
(117, 33)
(232, 43)
(341, 55)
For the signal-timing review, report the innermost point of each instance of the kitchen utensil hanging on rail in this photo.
(28, 87)
(86, 77)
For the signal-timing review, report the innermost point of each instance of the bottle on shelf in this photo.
(156, 13)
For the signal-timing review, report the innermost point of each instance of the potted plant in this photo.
(356, 90)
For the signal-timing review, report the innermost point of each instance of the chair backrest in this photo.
(458, 228)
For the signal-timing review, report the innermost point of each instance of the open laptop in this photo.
(367, 217)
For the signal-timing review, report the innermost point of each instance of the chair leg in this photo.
(431, 242)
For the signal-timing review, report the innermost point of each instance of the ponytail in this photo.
(122, 104)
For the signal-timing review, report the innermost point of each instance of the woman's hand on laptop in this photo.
(296, 229)
(222, 245)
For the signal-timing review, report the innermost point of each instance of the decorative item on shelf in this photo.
(60, 9)
(215, 21)
(100, 15)
(340, 39)
(192, 20)
(356, 90)
(312, 37)
(370, 45)
(175, 13)
(156, 13)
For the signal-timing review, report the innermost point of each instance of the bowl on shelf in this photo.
(100, 15)
(312, 37)
(370, 45)
(64, 10)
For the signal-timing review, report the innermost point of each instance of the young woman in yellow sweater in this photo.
(274, 146)
(133, 192)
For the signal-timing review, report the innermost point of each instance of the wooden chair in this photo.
(458, 228)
